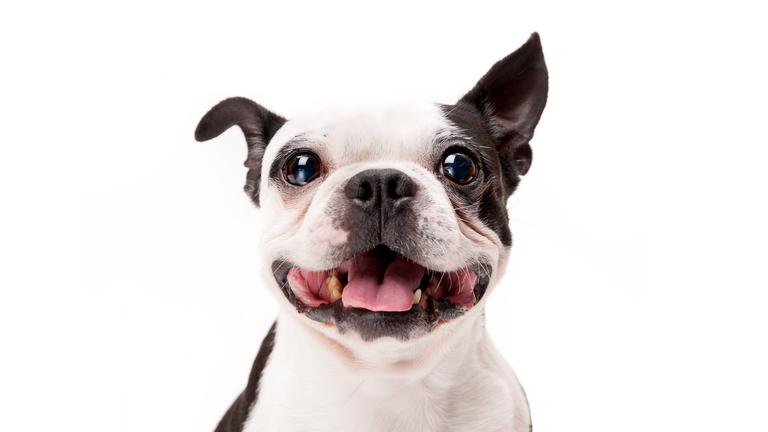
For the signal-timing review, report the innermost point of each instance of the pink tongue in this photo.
(377, 285)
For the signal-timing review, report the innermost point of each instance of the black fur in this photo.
(486, 197)
(510, 99)
(258, 124)
(236, 415)
(499, 116)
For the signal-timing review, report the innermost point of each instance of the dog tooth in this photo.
(433, 286)
(416, 296)
(333, 285)
(335, 295)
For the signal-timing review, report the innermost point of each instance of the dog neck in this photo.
(313, 382)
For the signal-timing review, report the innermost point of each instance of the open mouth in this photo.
(382, 293)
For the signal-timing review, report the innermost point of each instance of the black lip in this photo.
(371, 325)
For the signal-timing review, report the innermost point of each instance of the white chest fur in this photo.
(312, 384)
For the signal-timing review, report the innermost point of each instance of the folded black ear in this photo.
(511, 98)
(258, 124)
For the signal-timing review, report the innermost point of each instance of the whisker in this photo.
(518, 201)
(523, 222)
(274, 272)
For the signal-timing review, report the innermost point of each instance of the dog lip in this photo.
(344, 260)
(371, 325)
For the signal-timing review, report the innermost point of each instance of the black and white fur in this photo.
(377, 372)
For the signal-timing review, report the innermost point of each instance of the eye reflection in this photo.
(302, 169)
(459, 168)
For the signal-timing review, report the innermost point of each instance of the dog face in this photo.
(390, 220)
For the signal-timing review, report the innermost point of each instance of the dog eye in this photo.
(302, 169)
(459, 168)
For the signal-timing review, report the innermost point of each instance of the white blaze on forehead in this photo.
(370, 132)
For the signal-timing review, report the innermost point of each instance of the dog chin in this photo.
(382, 293)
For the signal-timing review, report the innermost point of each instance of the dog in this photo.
(382, 231)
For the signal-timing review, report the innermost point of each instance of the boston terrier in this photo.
(382, 231)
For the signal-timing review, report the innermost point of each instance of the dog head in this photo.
(390, 220)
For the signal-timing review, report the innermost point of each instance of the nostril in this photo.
(392, 191)
(366, 191)
(401, 186)
(360, 189)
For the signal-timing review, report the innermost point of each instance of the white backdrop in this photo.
(636, 296)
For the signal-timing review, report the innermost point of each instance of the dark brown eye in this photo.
(459, 168)
(302, 169)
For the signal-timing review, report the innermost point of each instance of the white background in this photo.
(636, 296)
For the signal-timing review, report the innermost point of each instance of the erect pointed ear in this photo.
(511, 98)
(258, 124)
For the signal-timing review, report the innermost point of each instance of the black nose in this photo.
(380, 187)
(380, 209)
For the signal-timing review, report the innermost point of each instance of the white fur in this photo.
(316, 379)
(451, 381)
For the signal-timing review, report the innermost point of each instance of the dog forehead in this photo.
(365, 132)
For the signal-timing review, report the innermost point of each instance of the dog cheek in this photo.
(440, 217)
(322, 233)
(457, 236)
